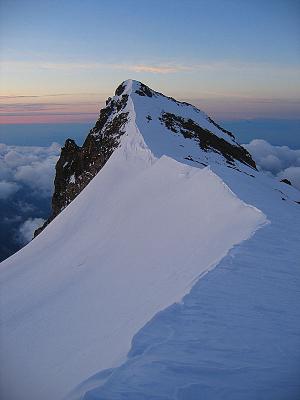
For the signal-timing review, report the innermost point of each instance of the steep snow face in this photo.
(133, 242)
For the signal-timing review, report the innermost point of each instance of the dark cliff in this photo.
(77, 165)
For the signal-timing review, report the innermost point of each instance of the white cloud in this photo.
(292, 174)
(25, 207)
(26, 185)
(280, 161)
(27, 229)
(38, 175)
(7, 189)
(31, 166)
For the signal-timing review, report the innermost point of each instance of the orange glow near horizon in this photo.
(49, 109)
(47, 119)
(52, 109)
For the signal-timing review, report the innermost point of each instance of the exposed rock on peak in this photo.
(77, 165)
(144, 90)
(208, 140)
(120, 89)
(167, 127)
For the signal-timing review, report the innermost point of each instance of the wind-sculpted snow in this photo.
(73, 298)
(236, 335)
(132, 243)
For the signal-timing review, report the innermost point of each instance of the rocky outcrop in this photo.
(287, 181)
(207, 140)
(145, 91)
(77, 165)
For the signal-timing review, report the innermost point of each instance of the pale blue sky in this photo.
(230, 57)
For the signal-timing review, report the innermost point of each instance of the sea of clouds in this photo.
(27, 165)
(26, 186)
(279, 161)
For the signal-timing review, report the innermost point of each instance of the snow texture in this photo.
(72, 179)
(236, 335)
(133, 242)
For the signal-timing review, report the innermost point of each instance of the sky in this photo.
(234, 59)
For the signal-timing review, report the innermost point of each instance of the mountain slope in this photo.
(169, 127)
(236, 335)
(132, 243)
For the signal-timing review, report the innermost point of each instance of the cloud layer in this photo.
(27, 229)
(7, 189)
(280, 161)
(26, 186)
(31, 166)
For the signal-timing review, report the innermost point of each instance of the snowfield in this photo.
(236, 334)
(134, 242)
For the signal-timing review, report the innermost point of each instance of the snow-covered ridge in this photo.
(165, 126)
(133, 242)
(181, 130)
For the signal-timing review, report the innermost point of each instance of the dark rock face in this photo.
(207, 140)
(221, 129)
(77, 166)
(145, 91)
(120, 89)
(286, 181)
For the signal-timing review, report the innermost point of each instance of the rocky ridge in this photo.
(77, 165)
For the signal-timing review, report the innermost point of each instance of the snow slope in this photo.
(133, 242)
(236, 335)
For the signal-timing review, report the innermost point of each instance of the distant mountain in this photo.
(157, 197)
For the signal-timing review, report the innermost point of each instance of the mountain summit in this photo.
(170, 270)
(167, 126)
